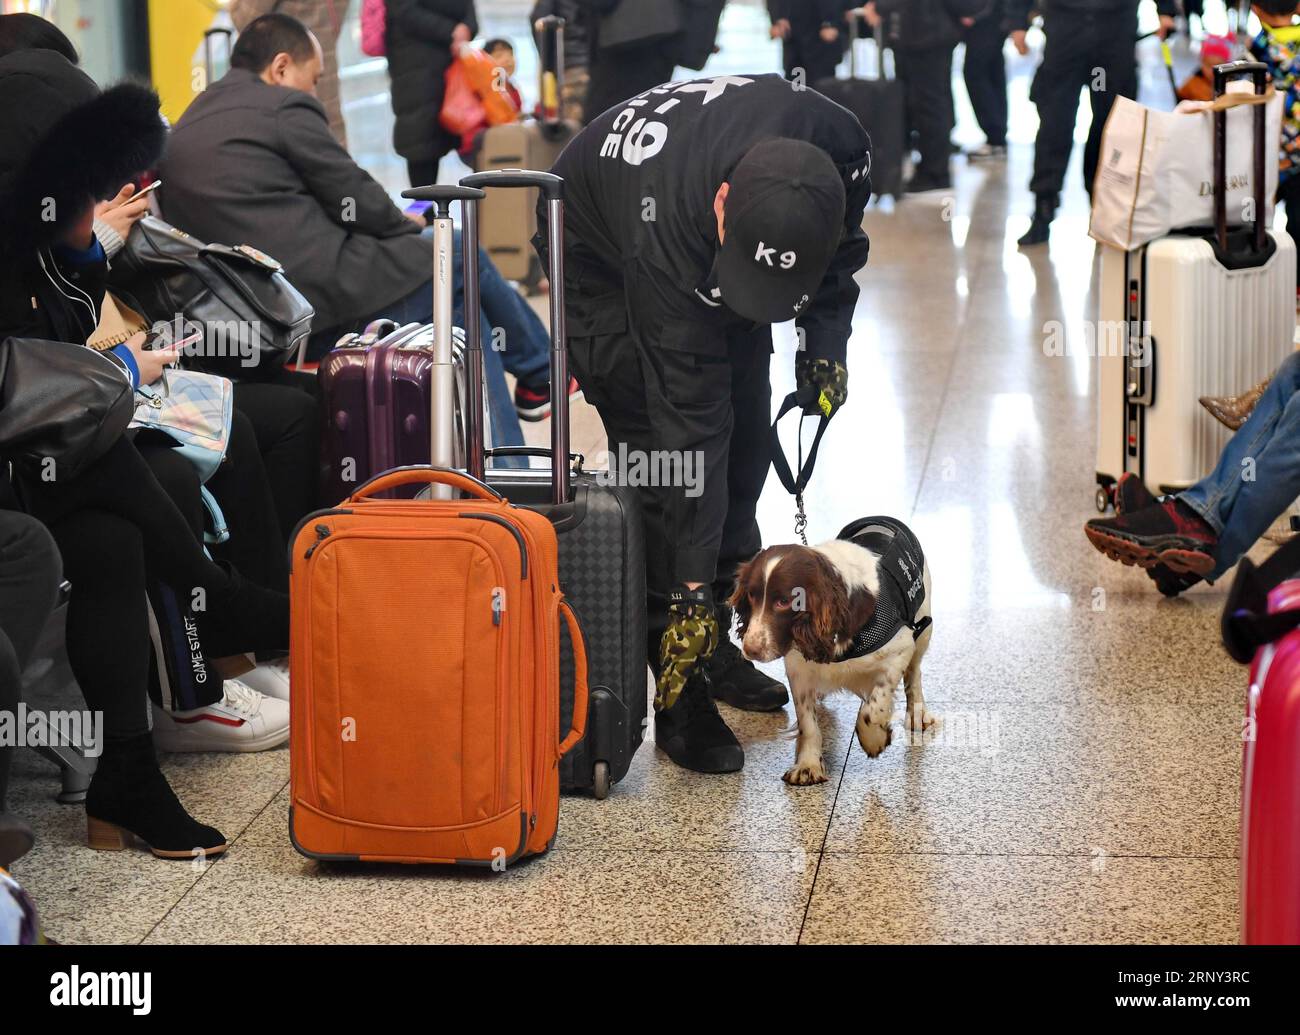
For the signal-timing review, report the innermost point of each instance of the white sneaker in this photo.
(270, 678)
(243, 720)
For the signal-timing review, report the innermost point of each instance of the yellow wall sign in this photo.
(176, 29)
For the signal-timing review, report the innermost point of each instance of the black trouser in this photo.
(255, 548)
(811, 53)
(285, 416)
(114, 524)
(1288, 192)
(985, 73)
(422, 171)
(620, 74)
(29, 588)
(1085, 51)
(614, 374)
(926, 73)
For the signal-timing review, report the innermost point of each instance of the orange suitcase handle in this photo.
(579, 725)
(428, 476)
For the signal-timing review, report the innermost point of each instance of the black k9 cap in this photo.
(782, 223)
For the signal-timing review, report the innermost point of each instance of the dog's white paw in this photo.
(873, 737)
(920, 718)
(805, 774)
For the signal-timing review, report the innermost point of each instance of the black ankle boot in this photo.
(1041, 226)
(694, 735)
(735, 680)
(129, 795)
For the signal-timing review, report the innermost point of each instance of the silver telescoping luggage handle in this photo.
(552, 188)
(442, 420)
(856, 17)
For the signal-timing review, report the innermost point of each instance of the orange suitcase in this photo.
(425, 677)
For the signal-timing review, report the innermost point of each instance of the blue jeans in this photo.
(1240, 500)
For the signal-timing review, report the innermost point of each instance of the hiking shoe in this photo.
(1168, 532)
(1131, 494)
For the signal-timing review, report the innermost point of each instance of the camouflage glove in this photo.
(823, 384)
(691, 636)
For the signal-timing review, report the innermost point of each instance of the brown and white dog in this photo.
(806, 604)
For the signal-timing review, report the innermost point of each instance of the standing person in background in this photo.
(633, 66)
(325, 19)
(577, 52)
(810, 35)
(1278, 47)
(985, 73)
(1089, 46)
(924, 35)
(422, 37)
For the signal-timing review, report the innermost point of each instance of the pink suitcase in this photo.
(1263, 616)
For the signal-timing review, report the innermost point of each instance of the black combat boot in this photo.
(694, 735)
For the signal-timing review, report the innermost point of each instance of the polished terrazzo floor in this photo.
(1082, 785)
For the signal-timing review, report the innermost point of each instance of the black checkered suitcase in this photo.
(602, 544)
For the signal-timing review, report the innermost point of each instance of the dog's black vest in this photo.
(902, 582)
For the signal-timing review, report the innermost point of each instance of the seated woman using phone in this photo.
(114, 523)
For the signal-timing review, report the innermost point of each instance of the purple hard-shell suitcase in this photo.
(377, 388)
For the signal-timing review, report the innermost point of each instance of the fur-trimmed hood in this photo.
(66, 144)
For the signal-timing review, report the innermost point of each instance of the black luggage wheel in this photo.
(600, 780)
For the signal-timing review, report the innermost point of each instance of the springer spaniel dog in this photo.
(849, 614)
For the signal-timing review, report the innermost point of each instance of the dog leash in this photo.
(795, 484)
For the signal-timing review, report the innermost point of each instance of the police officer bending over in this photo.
(698, 214)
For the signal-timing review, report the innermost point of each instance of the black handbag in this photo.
(61, 406)
(252, 318)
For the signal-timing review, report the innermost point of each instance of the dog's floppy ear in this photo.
(826, 614)
(739, 599)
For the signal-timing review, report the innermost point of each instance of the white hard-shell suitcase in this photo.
(1191, 314)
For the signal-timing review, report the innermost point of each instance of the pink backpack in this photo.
(373, 18)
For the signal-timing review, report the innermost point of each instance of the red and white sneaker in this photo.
(270, 678)
(243, 720)
(534, 404)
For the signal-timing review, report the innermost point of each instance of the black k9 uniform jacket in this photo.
(640, 244)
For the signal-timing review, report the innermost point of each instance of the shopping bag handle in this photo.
(578, 725)
(424, 475)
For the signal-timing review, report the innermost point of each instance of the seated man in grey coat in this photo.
(252, 161)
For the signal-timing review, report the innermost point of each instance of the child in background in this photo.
(488, 74)
(502, 51)
(1278, 47)
(1215, 50)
